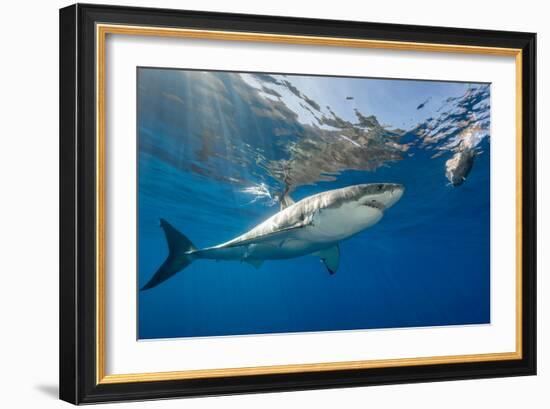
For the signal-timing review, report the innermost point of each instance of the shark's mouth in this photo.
(375, 204)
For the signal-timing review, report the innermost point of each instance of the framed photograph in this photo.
(257, 203)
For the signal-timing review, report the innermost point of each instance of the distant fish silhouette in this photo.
(348, 98)
(423, 103)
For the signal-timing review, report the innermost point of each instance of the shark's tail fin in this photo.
(178, 258)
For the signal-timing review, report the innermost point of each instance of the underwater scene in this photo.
(284, 203)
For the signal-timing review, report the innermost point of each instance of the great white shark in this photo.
(314, 225)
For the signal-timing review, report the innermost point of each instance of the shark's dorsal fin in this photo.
(330, 257)
(286, 201)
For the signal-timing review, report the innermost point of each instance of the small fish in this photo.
(348, 98)
(423, 104)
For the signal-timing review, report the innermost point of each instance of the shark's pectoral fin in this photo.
(256, 263)
(330, 257)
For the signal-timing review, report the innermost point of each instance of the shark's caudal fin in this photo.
(178, 256)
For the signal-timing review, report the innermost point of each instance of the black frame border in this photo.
(78, 197)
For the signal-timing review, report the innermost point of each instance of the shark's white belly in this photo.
(328, 227)
(339, 224)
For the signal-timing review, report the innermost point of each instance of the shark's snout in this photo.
(394, 193)
(381, 195)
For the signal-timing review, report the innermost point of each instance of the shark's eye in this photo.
(380, 187)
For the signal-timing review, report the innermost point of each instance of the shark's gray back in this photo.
(301, 213)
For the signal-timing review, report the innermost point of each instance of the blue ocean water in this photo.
(214, 151)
